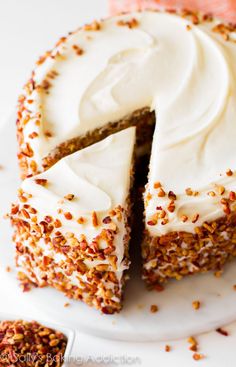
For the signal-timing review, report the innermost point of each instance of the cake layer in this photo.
(72, 222)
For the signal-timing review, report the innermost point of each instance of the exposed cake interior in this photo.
(72, 222)
(143, 120)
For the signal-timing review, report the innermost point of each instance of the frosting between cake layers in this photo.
(186, 75)
(99, 178)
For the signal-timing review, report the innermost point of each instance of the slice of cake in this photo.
(72, 223)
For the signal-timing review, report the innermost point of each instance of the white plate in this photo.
(66, 331)
(176, 318)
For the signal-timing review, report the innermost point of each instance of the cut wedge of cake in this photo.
(72, 223)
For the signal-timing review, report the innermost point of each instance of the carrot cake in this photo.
(72, 222)
(173, 77)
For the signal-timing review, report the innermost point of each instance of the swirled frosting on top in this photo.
(185, 72)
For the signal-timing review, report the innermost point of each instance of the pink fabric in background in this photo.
(225, 9)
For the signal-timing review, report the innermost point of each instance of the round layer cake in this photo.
(173, 77)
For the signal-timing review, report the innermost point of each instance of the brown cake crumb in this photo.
(94, 219)
(128, 23)
(184, 218)
(229, 172)
(232, 196)
(193, 344)
(171, 206)
(195, 218)
(81, 220)
(33, 135)
(211, 193)
(161, 193)
(41, 181)
(222, 331)
(189, 191)
(196, 305)
(218, 273)
(48, 134)
(68, 215)
(78, 50)
(157, 185)
(198, 356)
(95, 26)
(167, 348)
(25, 283)
(172, 196)
(221, 190)
(154, 308)
(69, 197)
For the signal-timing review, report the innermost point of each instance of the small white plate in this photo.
(69, 333)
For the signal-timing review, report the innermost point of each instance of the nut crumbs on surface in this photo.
(25, 283)
(193, 344)
(69, 197)
(229, 172)
(41, 181)
(196, 305)
(189, 191)
(78, 50)
(218, 273)
(95, 26)
(161, 193)
(222, 331)
(195, 218)
(172, 196)
(94, 219)
(232, 196)
(68, 215)
(171, 207)
(167, 348)
(198, 356)
(132, 23)
(155, 287)
(154, 308)
(57, 223)
(221, 190)
(157, 185)
(81, 220)
(48, 134)
(184, 218)
(211, 193)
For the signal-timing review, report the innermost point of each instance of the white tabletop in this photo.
(27, 29)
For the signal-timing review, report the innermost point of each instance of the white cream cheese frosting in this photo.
(99, 178)
(185, 73)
